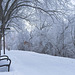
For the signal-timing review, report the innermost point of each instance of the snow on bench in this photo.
(5, 61)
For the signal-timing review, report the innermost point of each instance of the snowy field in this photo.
(31, 63)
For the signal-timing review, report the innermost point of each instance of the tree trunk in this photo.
(0, 43)
(74, 36)
(4, 43)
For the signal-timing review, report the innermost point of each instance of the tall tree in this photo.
(11, 9)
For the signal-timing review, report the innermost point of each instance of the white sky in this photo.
(41, 1)
(73, 2)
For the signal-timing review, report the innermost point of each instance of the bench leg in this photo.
(8, 68)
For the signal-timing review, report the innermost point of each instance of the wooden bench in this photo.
(5, 61)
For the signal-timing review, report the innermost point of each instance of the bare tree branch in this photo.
(6, 7)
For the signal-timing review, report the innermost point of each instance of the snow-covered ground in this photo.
(31, 63)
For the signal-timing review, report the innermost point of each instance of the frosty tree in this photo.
(10, 9)
(13, 11)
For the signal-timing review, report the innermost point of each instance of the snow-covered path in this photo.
(30, 63)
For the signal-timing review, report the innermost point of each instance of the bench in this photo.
(5, 61)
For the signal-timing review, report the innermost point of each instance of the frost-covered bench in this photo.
(5, 61)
